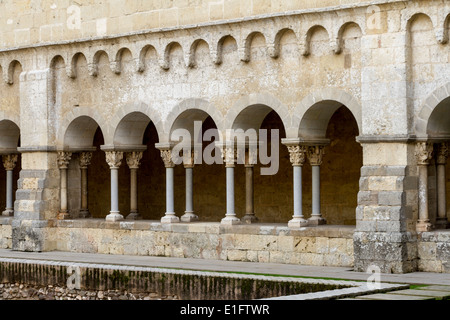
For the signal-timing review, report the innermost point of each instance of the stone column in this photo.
(189, 161)
(63, 164)
(114, 160)
(229, 155)
(85, 161)
(297, 155)
(169, 217)
(441, 161)
(9, 162)
(133, 161)
(315, 155)
(423, 152)
(249, 192)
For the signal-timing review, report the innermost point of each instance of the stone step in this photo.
(435, 288)
(423, 292)
(389, 296)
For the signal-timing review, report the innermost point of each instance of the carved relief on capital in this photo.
(297, 155)
(64, 159)
(134, 159)
(85, 159)
(9, 161)
(229, 155)
(114, 159)
(424, 153)
(251, 157)
(315, 155)
(166, 155)
(189, 158)
(442, 153)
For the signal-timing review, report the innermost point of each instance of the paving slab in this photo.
(427, 293)
(435, 288)
(389, 296)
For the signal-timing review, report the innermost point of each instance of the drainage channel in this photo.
(108, 281)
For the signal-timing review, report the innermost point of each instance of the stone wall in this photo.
(434, 251)
(320, 246)
(32, 22)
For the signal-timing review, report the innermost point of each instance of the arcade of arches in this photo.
(355, 101)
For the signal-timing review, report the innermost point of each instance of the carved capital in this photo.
(9, 161)
(297, 155)
(315, 155)
(114, 159)
(64, 159)
(442, 154)
(189, 158)
(85, 159)
(166, 155)
(229, 155)
(134, 159)
(424, 153)
(251, 157)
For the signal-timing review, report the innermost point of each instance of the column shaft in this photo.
(441, 220)
(189, 162)
(169, 216)
(297, 158)
(9, 192)
(114, 159)
(189, 190)
(85, 161)
(63, 162)
(423, 153)
(230, 216)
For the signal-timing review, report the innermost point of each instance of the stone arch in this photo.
(8, 73)
(164, 61)
(309, 34)
(217, 54)
(10, 135)
(72, 65)
(312, 115)
(250, 111)
(201, 109)
(245, 51)
(432, 119)
(117, 63)
(192, 54)
(132, 111)
(340, 35)
(142, 53)
(83, 122)
(411, 17)
(93, 65)
(275, 46)
(130, 130)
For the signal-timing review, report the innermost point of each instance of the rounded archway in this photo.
(9, 174)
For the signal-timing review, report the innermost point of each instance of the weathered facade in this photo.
(359, 91)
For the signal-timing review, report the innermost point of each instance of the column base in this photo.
(249, 218)
(114, 216)
(170, 218)
(442, 223)
(424, 226)
(84, 213)
(189, 217)
(8, 213)
(316, 221)
(63, 216)
(297, 223)
(134, 216)
(230, 220)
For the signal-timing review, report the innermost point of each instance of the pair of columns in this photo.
(9, 162)
(229, 155)
(424, 155)
(298, 155)
(114, 160)
(189, 162)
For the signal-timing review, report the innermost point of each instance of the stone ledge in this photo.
(329, 231)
